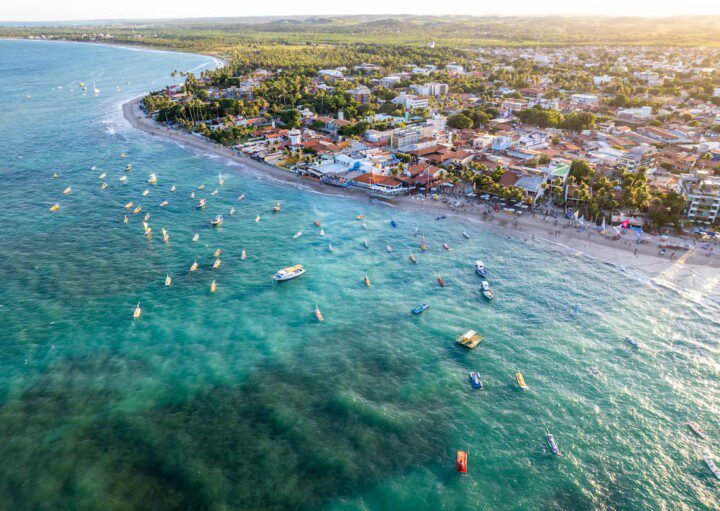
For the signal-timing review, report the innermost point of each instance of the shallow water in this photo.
(241, 399)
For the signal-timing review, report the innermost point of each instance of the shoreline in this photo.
(528, 227)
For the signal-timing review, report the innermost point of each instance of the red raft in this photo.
(461, 462)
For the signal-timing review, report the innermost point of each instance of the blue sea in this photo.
(241, 399)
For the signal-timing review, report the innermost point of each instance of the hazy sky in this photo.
(43, 10)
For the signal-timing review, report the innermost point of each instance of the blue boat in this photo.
(420, 308)
(475, 380)
(480, 269)
(552, 444)
(392, 222)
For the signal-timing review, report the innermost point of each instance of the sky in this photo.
(54, 10)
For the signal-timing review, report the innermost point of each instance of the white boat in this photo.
(330, 247)
(322, 232)
(137, 311)
(241, 197)
(446, 246)
(220, 180)
(466, 235)
(486, 291)
(480, 269)
(173, 189)
(289, 273)
(102, 176)
(128, 167)
(145, 193)
(217, 221)
(123, 179)
(152, 179)
(697, 429)
(711, 465)
(164, 204)
(168, 280)
(192, 195)
(232, 211)
(243, 256)
(67, 191)
(257, 219)
(201, 204)
(297, 235)
(388, 248)
(196, 237)
(364, 225)
(214, 192)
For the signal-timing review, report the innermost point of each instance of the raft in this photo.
(470, 339)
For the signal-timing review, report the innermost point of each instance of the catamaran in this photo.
(288, 273)
(475, 381)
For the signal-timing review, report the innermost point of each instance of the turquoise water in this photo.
(242, 400)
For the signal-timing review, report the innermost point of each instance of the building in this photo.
(455, 69)
(703, 193)
(389, 81)
(410, 101)
(361, 94)
(430, 89)
(634, 115)
(639, 156)
(584, 100)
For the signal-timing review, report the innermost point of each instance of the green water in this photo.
(242, 400)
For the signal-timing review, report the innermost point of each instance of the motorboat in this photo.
(152, 179)
(276, 208)
(216, 264)
(217, 221)
(289, 273)
(213, 286)
(365, 244)
(215, 192)
(388, 248)
(201, 204)
(192, 195)
(322, 232)
(103, 186)
(420, 308)
(486, 291)
(146, 193)
(243, 255)
(257, 219)
(67, 191)
(552, 444)
(232, 211)
(697, 429)
(446, 246)
(440, 281)
(217, 253)
(475, 380)
(711, 465)
(367, 281)
(480, 269)
(317, 224)
(54, 207)
(137, 210)
(102, 176)
(359, 217)
(393, 223)
(168, 280)
(461, 462)
(632, 342)
(318, 314)
(521, 381)
(173, 189)
(123, 179)
(466, 235)
(241, 197)
(137, 311)
(125, 219)
(196, 237)
(164, 204)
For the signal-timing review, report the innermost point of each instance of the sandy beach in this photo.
(690, 268)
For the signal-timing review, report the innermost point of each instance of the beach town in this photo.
(506, 135)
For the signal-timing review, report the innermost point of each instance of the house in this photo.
(389, 81)
(380, 184)
(361, 94)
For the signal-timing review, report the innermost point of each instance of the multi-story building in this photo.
(703, 193)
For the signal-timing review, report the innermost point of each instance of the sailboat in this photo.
(196, 237)
(243, 255)
(125, 219)
(103, 175)
(422, 242)
(55, 175)
(67, 191)
(330, 247)
(147, 216)
(123, 179)
(216, 264)
(412, 258)
(318, 314)
(192, 195)
(168, 280)
(364, 225)
(193, 266)
(446, 246)
(147, 228)
(213, 286)
(129, 205)
(603, 227)
(137, 311)
(137, 210)
(215, 192)
(128, 167)
(95, 90)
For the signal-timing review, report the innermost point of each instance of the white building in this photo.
(602, 80)
(410, 101)
(703, 193)
(455, 69)
(430, 89)
(589, 100)
(389, 81)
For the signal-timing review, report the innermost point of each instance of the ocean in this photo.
(241, 399)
